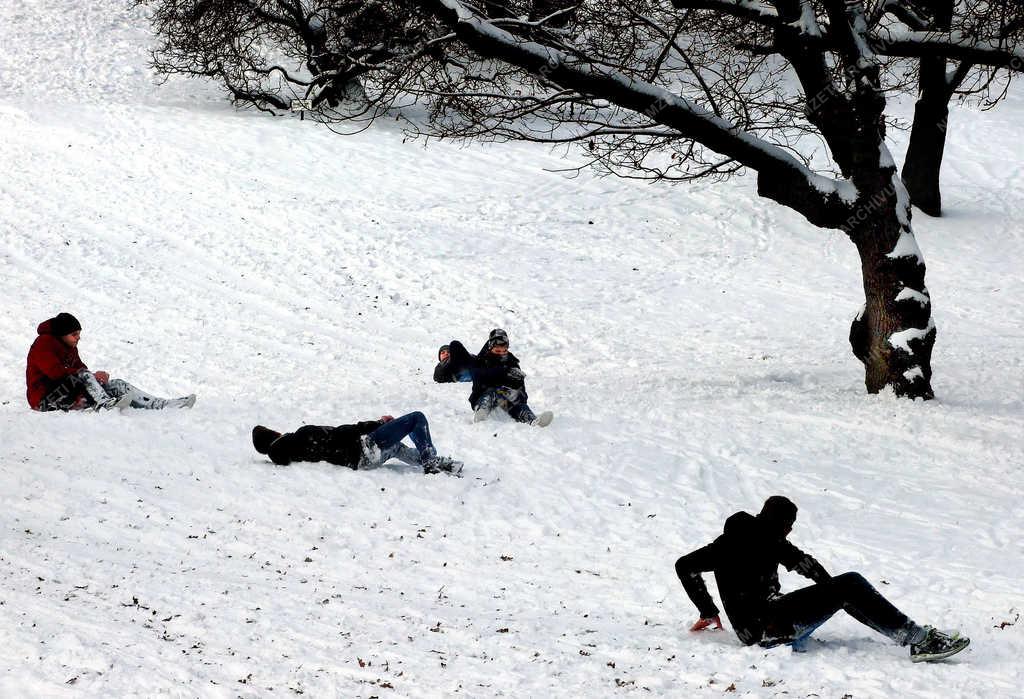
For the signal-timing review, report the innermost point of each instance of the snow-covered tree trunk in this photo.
(894, 333)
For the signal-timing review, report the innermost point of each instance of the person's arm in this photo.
(803, 563)
(441, 373)
(689, 569)
(368, 426)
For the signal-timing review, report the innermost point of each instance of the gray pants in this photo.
(83, 391)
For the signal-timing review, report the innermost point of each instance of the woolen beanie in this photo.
(64, 324)
(497, 337)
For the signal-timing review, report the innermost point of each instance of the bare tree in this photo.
(649, 90)
(795, 90)
(994, 23)
(268, 52)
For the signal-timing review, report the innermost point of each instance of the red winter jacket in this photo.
(49, 361)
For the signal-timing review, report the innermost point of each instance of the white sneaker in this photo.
(544, 419)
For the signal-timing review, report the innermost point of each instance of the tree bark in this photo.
(894, 334)
(923, 163)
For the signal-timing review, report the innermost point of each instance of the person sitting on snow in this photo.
(745, 560)
(498, 382)
(362, 445)
(58, 379)
(454, 364)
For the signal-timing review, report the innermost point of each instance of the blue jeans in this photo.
(414, 425)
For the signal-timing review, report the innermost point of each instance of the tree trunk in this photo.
(893, 335)
(923, 163)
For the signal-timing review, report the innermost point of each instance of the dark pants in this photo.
(510, 400)
(414, 425)
(795, 615)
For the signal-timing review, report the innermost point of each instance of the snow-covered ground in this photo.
(691, 341)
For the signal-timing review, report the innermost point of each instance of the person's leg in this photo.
(460, 361)
(487, 402)
(519, 411)
(792, 615)
(413, 425)
(145, 401)
(64, 395)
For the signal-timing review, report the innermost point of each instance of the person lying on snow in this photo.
(58, 379)
(498, 382)
(363, 445)
(745, 560)
(454, 364)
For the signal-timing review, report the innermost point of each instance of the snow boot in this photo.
(442, 464)
(937, 646)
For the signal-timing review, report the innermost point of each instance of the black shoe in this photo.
(442, 464)
(263, 437)
(937, 646)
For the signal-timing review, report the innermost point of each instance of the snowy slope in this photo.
(690, 340)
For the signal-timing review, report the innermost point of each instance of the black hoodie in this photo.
(745, 560)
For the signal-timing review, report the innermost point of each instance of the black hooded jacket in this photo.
(745, 560)
(495, 371)
(337, 445)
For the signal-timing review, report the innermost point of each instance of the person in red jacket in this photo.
(58, 379)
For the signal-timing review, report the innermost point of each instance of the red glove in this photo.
(702, 624)
(101, 376)
(386, 418)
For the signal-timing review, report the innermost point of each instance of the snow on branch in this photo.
(824, 201)
(950, 45)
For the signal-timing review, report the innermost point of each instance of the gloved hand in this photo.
(385, 418)
(702, 624)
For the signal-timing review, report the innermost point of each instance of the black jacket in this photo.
(458, 367)
(337, 445)
(494, 371)
(745, 560)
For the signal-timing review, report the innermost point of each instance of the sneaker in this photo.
(937, 646)
(544, 419)
(442, 464)
(184, 402)
(120, 403)
(370, 452)
(263, 437)
(481, 414)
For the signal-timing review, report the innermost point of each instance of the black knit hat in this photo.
(64, 324)
(498, 337)
(778, 510)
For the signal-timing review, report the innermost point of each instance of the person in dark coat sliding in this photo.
(362, 445)
(745, 560)
(58, 379)
(454, 364)
(498, 382)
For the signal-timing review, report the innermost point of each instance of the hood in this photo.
(739, 523)
(45, 327)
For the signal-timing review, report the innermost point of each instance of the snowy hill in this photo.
(691, 341)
